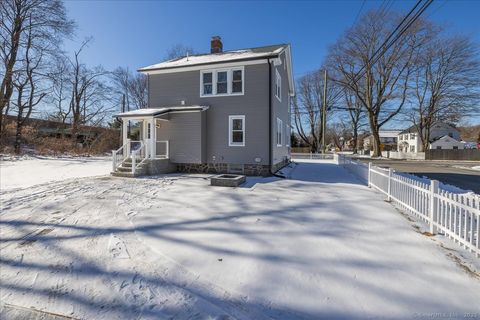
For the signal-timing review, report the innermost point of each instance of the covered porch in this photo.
(141, 141)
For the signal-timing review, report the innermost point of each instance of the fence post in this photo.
(369, 174)
(389, 188)
(134, 160)
(114, 160)
(433, 204)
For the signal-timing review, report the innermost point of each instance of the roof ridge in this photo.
(227, 51)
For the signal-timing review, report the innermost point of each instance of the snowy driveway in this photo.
(318, 245)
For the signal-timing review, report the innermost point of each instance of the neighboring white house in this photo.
(410, 141)
(388, 140)
(446, 142)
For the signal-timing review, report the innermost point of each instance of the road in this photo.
(448, 172)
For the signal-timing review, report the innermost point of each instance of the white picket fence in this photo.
(321, 156)
(457, 216)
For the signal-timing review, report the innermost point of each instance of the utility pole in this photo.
(324, 112)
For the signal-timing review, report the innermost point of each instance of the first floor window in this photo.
(412, 148)
(288, 135)
(236, 135)
(279, 132)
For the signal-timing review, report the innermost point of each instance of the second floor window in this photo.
(222, 82)
(207, 80)
(237, 81)
(278, 85)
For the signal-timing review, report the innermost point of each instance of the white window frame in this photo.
(230, 131)
(288, 134)
(278, 85)
(279, 132)
(214, 73)
(202, 94)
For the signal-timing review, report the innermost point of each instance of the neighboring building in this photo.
(219, 112)
(446, 142)
(388, 140)
(410, 141)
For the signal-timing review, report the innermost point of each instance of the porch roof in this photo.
(156, 112)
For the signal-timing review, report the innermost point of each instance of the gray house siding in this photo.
(171, 88)
(280, 109)
(185, 132)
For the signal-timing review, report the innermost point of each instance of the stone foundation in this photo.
(217, 168)
(159, 166)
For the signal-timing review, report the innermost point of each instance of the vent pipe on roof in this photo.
(216, 45)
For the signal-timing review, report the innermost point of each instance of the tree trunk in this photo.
(355, 139)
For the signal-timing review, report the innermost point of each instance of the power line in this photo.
(385, 45)
(359, 11)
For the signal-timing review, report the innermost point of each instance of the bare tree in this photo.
(59, 96)
(308, 106)
(27, 83)
(382, 89)
(46, 19)
(90, 100)
(445, 85)
(131, 86)
(178, 51)
(356, 114)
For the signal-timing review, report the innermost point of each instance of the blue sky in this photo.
(138, 33)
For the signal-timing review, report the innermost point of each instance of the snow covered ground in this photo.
(316, 245)
(27, 172)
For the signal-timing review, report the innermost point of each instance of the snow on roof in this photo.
(226, 56)
(149, 112)
(389, 133)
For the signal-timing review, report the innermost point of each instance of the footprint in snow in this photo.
(117, 247)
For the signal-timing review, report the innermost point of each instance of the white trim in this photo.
(206, 67)
(214, 73)
(279, 131)
(230, 136)
(278, 84)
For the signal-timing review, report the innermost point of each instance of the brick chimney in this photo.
(216, 45)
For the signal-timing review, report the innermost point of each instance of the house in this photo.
(388, 140)
(446, 142)
(410, 141)
(222, 112)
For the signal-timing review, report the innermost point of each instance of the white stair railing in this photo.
(140, 154)
(119, 155)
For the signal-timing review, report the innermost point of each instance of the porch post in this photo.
(153, 138)
(124, 136)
